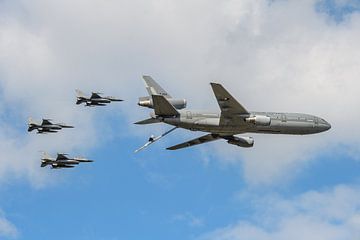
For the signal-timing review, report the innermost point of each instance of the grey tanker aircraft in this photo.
(233, 119)
(95, 99)
(46, 126)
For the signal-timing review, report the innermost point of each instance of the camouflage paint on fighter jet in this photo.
(46, 126)
(62, 161)
(95, 99)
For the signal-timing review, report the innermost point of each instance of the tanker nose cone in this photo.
(325, 127)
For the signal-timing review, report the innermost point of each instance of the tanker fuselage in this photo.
(255, 122)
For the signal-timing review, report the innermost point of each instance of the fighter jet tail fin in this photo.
(45, 155)
(79, 93)
(162, 106)
(31, 121)
(31, 124)
(80, 97)
(154, 88)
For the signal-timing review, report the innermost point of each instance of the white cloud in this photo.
(7, 229)
(189, 219)
(330, 215)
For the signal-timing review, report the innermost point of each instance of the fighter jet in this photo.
(62, 161)
(95, 99)
(153, 88)
(233, 119)
(46, 126)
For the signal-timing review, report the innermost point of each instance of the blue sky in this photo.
(283, 56)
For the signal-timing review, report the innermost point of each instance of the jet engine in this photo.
(245, 142)
(177, 103)
(259, 120)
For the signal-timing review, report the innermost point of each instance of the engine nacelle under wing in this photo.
(177, 103)
(245, 142)
(259, 120)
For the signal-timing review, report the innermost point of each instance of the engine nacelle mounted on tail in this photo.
(259, 120)
(153, 88)
(245, 142)
(177, 103)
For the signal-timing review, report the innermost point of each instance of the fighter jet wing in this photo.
(196, 141)
(61, 156)
(66, 166)
(95, 95)
(231, 109)
(56, 165)
(46, 122)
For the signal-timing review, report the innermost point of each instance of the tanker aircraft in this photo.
(46, 126)
(95, 99)
(233, 119)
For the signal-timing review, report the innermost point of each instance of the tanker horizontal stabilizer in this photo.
(148, 121)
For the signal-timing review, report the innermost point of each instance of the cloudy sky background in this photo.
(281, 55)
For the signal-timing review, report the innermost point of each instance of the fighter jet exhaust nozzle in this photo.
(259, 120)
(245, 142)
